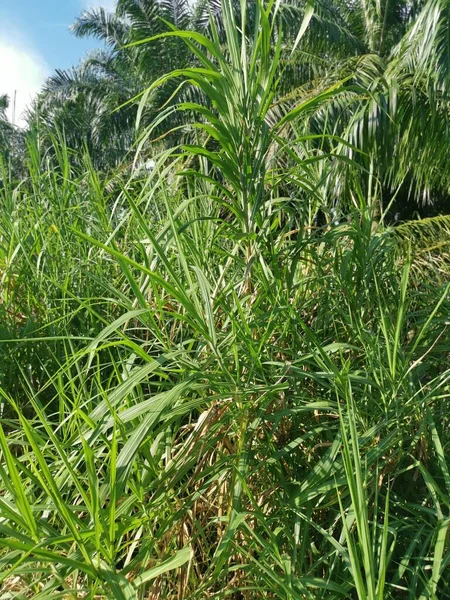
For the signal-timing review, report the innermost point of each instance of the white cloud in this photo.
(22, 73)
(107, 4)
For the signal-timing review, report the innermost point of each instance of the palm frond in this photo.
(427, 241)
(102, 25)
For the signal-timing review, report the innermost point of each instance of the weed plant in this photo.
(205, 396)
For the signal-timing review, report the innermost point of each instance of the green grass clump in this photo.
(204, 396)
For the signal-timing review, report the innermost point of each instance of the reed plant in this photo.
(204, 396)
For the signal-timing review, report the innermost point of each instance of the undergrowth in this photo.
(203, 395)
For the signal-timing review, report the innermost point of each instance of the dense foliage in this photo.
(222, 374)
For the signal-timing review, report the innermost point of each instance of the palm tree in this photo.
(5, 125)
(395, 113)
(12, 142)
(81, 104)
(87, 102)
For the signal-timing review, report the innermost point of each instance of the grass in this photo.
(204, 396)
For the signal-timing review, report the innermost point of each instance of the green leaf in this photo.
(179, 559)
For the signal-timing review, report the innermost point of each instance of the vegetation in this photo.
(223, 373)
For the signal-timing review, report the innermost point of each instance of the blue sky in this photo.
(35, 40)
